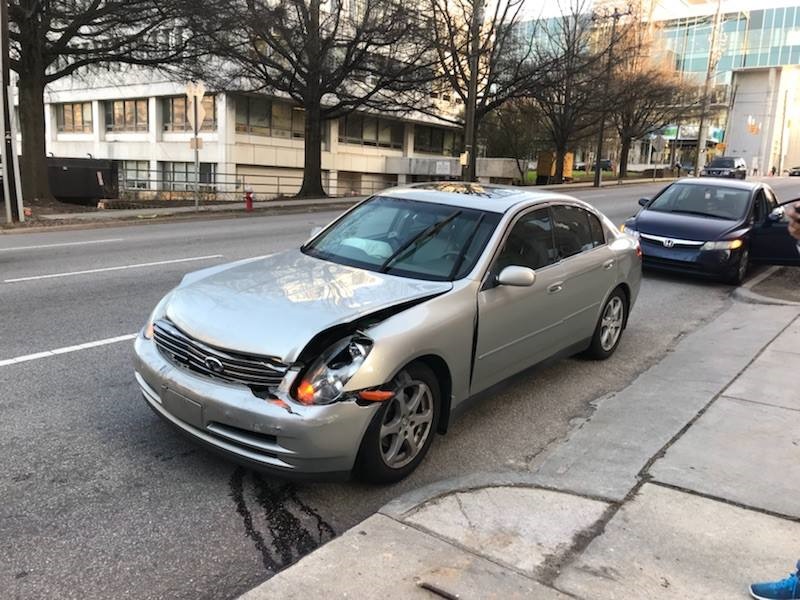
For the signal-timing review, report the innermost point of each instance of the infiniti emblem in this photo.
(669, 243)
(214, 365)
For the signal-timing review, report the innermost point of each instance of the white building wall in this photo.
(764, 124)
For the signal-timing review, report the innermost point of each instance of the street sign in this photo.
(659, 143)
(195, 92)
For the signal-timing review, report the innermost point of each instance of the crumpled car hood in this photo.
(275, 305)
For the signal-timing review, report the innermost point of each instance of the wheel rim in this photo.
(611, 324)
(406, 423)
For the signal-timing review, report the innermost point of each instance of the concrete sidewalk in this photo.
(682, 485)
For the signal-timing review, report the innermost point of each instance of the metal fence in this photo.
(145, 186)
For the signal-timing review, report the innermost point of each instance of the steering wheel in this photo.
(452, 254)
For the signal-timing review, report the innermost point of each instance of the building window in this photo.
(428, 139)
(370, 131)
(262, 116)
(135, 174)
(127, 115)
(176, 116)
(74, 117)
(179, 176)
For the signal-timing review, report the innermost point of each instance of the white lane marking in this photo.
(120, 268)
(66, 350)
(41, 246)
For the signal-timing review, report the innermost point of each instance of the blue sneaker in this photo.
(785, 589)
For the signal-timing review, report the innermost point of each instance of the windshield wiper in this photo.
(415, 241)
(702, 214)
(463, 254)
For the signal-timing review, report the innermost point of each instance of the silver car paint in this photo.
(442, 327)
(275, 305)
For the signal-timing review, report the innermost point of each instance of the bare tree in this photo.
(331, 58)
(514, 131)
(647, 91)
(570, 94)
(53, 39)
(485, 57)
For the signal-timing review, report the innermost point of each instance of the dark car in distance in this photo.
(731, 167)
(713, 227)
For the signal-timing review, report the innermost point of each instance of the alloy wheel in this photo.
(611, 324)
(407, 422)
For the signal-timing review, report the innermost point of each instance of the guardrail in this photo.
(140, 186)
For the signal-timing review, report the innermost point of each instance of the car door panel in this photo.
(770, 241)
(517, 327)
(520, 326)
(588, 269)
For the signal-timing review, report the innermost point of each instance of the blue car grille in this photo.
(256, 372)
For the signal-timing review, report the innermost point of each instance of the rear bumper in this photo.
(317, 442)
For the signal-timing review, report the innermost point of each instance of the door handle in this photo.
(556, 287)
(608, 264)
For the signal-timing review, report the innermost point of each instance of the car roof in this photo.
(731, 183)
(478, 196)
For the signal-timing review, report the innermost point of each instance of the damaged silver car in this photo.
(350, 353)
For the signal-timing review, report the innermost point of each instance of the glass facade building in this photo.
(768, 37)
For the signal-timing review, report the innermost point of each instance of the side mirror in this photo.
(315, 231)
(516, 276)
(777, 215)
(644, 201)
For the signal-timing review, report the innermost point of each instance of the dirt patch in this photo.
(784, 285)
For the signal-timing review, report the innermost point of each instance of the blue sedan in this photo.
(713, 227)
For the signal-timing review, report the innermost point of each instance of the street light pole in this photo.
(11, 189)
(468, 170)
(615, 16)
(713, 58)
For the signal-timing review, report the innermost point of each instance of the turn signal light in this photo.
(149, 331)
(305, 392)
(375, 395)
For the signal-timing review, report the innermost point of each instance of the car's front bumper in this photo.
(308, 441)
(714, 263)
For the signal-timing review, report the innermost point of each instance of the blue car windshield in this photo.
(713, 201)
(421, 240)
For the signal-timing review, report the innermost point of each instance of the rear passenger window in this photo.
(598, 234)
(572, 231)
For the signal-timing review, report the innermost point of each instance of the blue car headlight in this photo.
(723, 245)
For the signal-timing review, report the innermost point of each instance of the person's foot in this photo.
(785, 589)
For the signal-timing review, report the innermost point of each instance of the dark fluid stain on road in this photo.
(293, 529)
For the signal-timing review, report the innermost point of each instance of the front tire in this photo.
(402, 431)
(738, 277)
(610, 326)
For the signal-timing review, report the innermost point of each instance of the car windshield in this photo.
(414, 239)
(722, 163)
(714, 201)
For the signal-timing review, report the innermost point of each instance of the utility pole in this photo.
(468, 170)
(11, 189)
(615, 16)
(713, 59)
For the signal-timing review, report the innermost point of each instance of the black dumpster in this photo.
(83, 180)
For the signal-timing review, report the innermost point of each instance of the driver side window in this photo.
(760, 209)
(529, 243)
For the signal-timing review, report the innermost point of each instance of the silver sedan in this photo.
(350, 352)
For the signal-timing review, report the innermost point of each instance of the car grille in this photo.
(256, 372)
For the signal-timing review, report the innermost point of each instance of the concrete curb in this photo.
(746, 294)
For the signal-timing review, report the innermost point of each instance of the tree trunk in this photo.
(33, 167)
(560, 159)
(625, 150)
(312, 160)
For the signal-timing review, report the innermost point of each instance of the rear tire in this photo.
(610, 326)
(402, 430)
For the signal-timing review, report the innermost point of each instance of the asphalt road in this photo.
(100, 499)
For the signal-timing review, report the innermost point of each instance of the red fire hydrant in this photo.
(248, 200)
